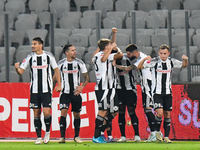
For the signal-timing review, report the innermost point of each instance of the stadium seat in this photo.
(32, 17)
(57, 49)
(163, 31)
(15, 7)
(192, 5)
(109, 23)
(63, 31)
(1, 35)
(11, 68)
(119, 14)
(81, 3)
(122, 39)
(14, 77)
(81, 50)
(32, 33)
(91, 13)
(170, 4)
(140, 23)
(16, 37)
(3, 56)
(175, 74)
(38, 6)
(88, 22)
(82, 31)
(183, 75)
(163, 12)
(104, 6)
(143, 40)
(24, 47)
(59, 7)
(124, 31)
(93, 40)
(196, 79)
(178, 21)
(180, 13)
(125, 5)
(92, 49)
(104, 31)
(159, 39)
(194, 22)
(92, 76)
(88, 58)
(139, 14)
(147, 5)
(196, 38)
(1, 6)
(179, 54)
(79, 40)
(182, 31)
(26, 76)
(146, 49)
(72, 14)
(3, 1)
(198, 58)
(44, 19)
(145, 31)
(193, 49)
(179, 40)
(156, 21)
(195, 12)
(20, 55)
(60, 39)
(198, 31)
(69, 23)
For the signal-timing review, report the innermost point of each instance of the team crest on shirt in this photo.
(148, 61)
(44, 60)
(24, 61)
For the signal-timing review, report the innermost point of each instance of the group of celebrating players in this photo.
(115, 88)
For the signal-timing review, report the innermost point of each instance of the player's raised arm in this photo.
(19, 70)
(185, 61)
(140, 65)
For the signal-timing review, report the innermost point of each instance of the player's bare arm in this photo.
(19, 70)
(140, 65)
(185, 61)
(106, 55)
(126, 68)
(57, 78)
(79, 89)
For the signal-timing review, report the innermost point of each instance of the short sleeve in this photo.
(83, 68)
(53, 62)
(111, 57)
(176, 63)
(25, 62)
(149, 63)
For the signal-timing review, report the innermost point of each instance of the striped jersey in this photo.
(126, 79)
(104, 71)
(161, 73)
(70, 74)
(40, 71)
(144, 74)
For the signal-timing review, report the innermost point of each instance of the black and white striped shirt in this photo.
(161, 73)
(105, 72)
(70, 74)
(144, 74)
(40, 71)
(126, 78)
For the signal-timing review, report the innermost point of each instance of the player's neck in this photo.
(39, 52)
(69, 59)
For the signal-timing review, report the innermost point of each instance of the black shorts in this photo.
(66, 99)
(127, 98)
(36, 99)
(163, 101)
(106, 100)
(147, 101)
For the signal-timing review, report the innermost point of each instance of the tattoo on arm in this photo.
(86, 79)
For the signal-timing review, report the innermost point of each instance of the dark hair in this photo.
(39, 40)
(164, 46)
(66, 47)
(131, 48)
(102, 43)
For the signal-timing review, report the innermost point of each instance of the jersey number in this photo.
(95, 64)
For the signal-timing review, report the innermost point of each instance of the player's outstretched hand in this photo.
(184, 57)
(114, 45)
(78, 90)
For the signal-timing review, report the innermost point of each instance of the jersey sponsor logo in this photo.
(163, 71)
(40, 67)
(32, 105)
(70, 71)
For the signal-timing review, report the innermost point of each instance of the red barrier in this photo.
(16, 119)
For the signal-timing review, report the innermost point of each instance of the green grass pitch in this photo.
(176, 145)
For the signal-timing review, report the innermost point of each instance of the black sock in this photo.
(167, 122)
(38, 126)
(104, 126)
(109, 131)
(151, 119)
(158, 123)
(98, 124)
(47, 121)
(134, 120)
(63, 125)
(77, 122)
(121, 122)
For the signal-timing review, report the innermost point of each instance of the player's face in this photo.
(163, 53)
(36, 46)
(71, 53)
(130, 55)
